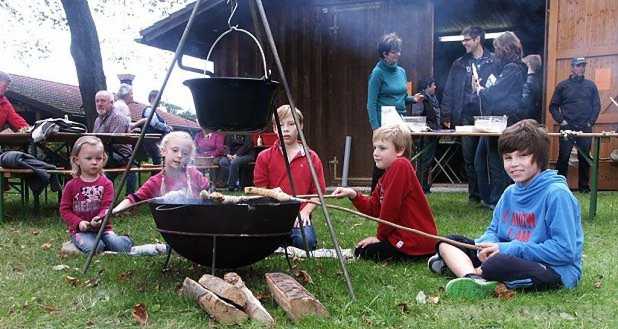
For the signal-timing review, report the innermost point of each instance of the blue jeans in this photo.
(110, 241)
(468, 150)
(564, 153)
(297, 237)
(234, 168)
(131, 183)
(491, 177)
(423, 163)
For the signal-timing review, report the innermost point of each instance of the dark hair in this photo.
(474, 31)
(508, 47)
(389, 42)
(151, 95)
(526, 135)
(425, 83)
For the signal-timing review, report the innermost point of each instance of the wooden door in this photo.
(586, 28)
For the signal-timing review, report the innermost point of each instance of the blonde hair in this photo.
(77, 147)
(180, 135)
(399, 134)
(533, 62)
(285, 110)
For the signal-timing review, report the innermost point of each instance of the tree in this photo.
(86, 54)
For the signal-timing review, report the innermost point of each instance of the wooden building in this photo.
(328, 49)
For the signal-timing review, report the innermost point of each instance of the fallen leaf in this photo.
(140, 314)
(356, 225)
(303, 277)
(49, 308)
(421, 298)
(124, 276)
(46, 245)
(503, 292)
(71, 280)
(60, 267)
(598, 282)
(93, 282)
(35, 232)
(403, 307)
(90, 323)
(433, 299)
(261, 296)
(567, 316)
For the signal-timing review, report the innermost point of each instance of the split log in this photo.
(253, 307)
(223, 289)
(295, 300)
(216, 307)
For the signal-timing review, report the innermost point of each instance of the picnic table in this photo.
(57, 146)
(597, 139)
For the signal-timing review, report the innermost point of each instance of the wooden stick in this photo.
(281, 196)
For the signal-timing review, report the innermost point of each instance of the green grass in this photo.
(33, 295)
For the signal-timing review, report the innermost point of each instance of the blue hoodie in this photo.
(540, 222)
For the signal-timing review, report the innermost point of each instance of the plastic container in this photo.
(490, 124)
(416, 123)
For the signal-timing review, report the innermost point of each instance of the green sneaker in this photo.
(469, 288)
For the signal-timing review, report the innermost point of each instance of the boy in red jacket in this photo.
(270, 172)
(397, 198)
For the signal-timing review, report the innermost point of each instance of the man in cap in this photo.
(8, 115)
(575, 105)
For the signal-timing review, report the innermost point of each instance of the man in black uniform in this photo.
(575, 105)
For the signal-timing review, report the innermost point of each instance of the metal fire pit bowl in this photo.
(235, 235)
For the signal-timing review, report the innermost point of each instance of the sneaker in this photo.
(436, 264)
(470, 288)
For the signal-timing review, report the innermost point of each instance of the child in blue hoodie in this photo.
(535, 238)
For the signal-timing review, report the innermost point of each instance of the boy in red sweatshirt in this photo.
(397, 198)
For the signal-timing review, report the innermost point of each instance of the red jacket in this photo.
(398, 198)
(8, 115)
(270, 172)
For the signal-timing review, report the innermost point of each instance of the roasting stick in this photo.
(281, 196)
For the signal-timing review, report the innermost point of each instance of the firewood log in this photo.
(216, 307)
(293, 298)
(223, 289)
(253, 307)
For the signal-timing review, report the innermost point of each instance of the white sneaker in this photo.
(150, 249)
(436, 264)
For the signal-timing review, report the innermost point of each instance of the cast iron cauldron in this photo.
(237, 104)
(232, 103)
(244, 233)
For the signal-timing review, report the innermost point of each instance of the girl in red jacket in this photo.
(177, 149)
(397, 198)
(86, 198)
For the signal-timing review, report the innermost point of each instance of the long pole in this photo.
(314, 176)
(177, 54)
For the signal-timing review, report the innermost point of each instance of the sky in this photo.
(118, 24)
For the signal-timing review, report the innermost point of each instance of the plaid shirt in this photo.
(116, 123)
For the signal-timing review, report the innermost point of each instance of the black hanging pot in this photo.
(233, 103)
(234, 235)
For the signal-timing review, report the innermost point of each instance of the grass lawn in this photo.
(34, 295)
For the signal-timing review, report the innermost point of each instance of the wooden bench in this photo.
(22, 174)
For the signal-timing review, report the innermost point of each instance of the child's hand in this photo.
(95, 222)
(341, 192)
(367, 241)
(488, 250)
(84, 226)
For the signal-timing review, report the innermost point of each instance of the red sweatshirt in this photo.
(8, 115)
(398, 198)
(160, 184)
(270, 172)
(83, 200)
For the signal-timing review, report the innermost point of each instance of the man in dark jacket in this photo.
(460, 103)
(430, 108)
(575, 105)
(531, 93)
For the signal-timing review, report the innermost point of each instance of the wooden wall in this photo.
(586, 28)
(328, 49)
